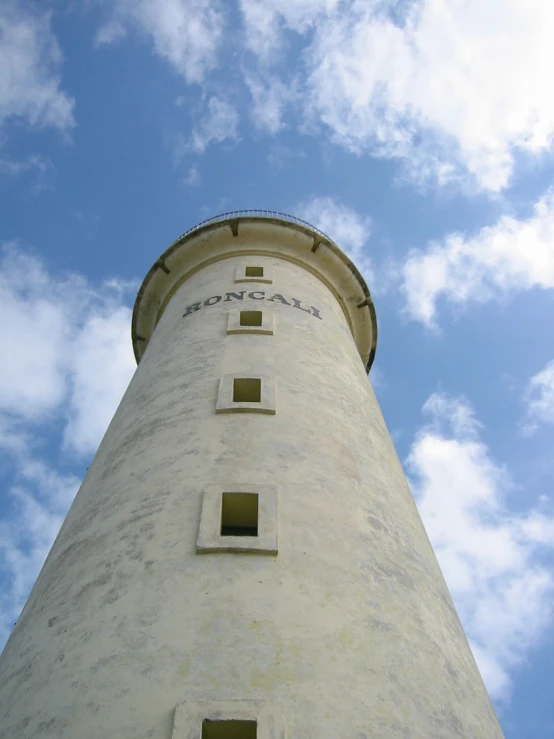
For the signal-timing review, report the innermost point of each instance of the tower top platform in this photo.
(256, 232)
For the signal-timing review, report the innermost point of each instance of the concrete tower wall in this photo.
(141, 624)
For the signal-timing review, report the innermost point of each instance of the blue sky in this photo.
(418, 134)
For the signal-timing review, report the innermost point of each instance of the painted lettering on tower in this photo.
(253, 295)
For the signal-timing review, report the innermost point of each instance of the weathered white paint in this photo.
(347, 633)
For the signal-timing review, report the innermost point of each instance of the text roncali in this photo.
(253, 295)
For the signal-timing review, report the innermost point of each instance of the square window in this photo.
(239, 394)
(247, 390)
(231, 719)
(254, 272)
(229, 729)
(250, 321)
(238, 518)
(250, 318)
(239, 514)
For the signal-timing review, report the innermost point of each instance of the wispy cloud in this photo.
(509, 256)
(30, 62)
(193, 178)
(14, 168)
(187, 33)
(270, 97)
(37, 171)
(219, 123)
(490, 556)
(350, 230)
(265, 22)
(539, 399)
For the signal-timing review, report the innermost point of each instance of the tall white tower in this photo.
(244, 559)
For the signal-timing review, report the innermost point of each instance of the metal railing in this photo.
(231, 215)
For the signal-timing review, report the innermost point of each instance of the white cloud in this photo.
(509, 256)
(220, 123)
(36, 330)
(451, 86)
(270, 97)
(103, 340)
(37, 171)
(265, 21)
(14, 439)
(14, 168)
(261, 20)
(30, 60)
(348, 229)
(539, 399)
(58, 330)
(187, 33)
(193, 178)
(490, 556)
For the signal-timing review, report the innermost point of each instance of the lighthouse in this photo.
(244, 559)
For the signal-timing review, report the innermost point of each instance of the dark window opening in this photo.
(247, 390)
(239, 514)
(254, 272)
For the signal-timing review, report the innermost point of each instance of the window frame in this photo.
(210, 540)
